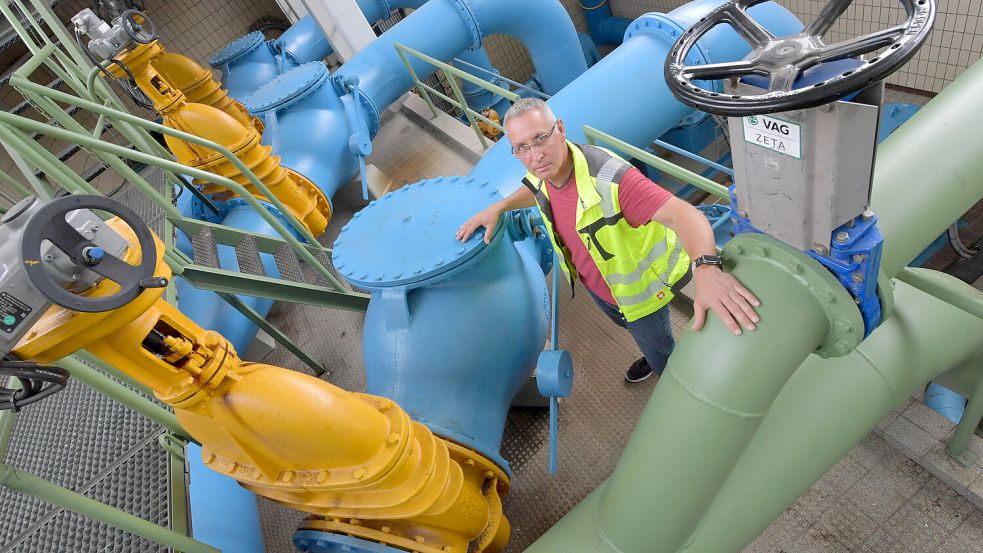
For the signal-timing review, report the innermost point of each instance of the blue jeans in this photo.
(652, 333)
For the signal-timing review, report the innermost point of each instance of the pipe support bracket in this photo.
(846, 326)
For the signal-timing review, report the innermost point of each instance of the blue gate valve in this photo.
(359, 142)
(554, 369)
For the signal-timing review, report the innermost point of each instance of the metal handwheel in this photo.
(783, 59)
(49, 224)
(143, 30)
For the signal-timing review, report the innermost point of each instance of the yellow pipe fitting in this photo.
(356, 459)
(150, 61)
(304, 200)
(189, 100)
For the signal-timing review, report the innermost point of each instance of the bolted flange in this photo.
(845, 321)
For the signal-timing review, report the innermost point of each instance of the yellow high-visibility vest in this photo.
(640, 265)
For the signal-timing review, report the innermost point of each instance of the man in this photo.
(624, 236)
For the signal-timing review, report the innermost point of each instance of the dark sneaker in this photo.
(639, 371)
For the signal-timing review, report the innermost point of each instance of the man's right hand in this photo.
(487, 218)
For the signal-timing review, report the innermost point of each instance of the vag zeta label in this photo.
(775, 134)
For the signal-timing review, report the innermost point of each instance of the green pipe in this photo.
(7, 420)
(952, 291)
(33, 486)
(711, 400)
(109, 387)
(928, 171)
(830, 405)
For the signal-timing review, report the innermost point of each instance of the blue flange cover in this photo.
(288, 88)
(408, 236)
(238, 47)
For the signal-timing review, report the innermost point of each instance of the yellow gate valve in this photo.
(150, 61)
(487, 129)
(300, 196)
(304, 200)
(355, 461)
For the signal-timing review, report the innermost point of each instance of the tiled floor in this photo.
(878, 500)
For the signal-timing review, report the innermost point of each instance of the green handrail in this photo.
(450, 72)
(83, 138)
(594, 136)
(17, 186)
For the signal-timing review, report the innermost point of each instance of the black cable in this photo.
(37, 382)
(131, 88)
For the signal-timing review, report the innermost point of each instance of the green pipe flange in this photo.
(846, 325)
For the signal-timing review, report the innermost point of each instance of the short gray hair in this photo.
(525, 105)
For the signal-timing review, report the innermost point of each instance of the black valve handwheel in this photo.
(49, 224)
(783, 59)
(138, 26)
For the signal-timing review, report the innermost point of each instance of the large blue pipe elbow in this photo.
(319, 130)
(604, 27)
(645, 108)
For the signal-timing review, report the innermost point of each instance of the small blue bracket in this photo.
(359, 142)
(854, 258)
(554, 370)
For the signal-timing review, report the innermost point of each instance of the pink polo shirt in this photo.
(640, 198)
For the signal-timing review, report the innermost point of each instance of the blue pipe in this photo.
(204, 307)
(210, 493)
(477, 97)
(602, 24)
(251, 61)
(318, 128)
(641, 117)
(945, 402)
(591, 55)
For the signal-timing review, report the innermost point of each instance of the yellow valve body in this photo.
(356, 461)
(304, 200)
(147, 61)
(173, 82)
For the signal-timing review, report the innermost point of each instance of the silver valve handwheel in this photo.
(783, 59)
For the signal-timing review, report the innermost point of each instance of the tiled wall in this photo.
(196, 28)
(511, 58)
(956, 41)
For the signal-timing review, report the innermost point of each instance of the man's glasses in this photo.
(538, 142)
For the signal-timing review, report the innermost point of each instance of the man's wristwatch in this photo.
(707, 260)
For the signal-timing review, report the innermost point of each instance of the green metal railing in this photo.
(46, 174)
(595, 136)
(452, 74)
(226, 283)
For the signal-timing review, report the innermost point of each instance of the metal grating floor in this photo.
(88, 443)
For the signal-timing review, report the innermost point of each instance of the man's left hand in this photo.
(722, 293)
